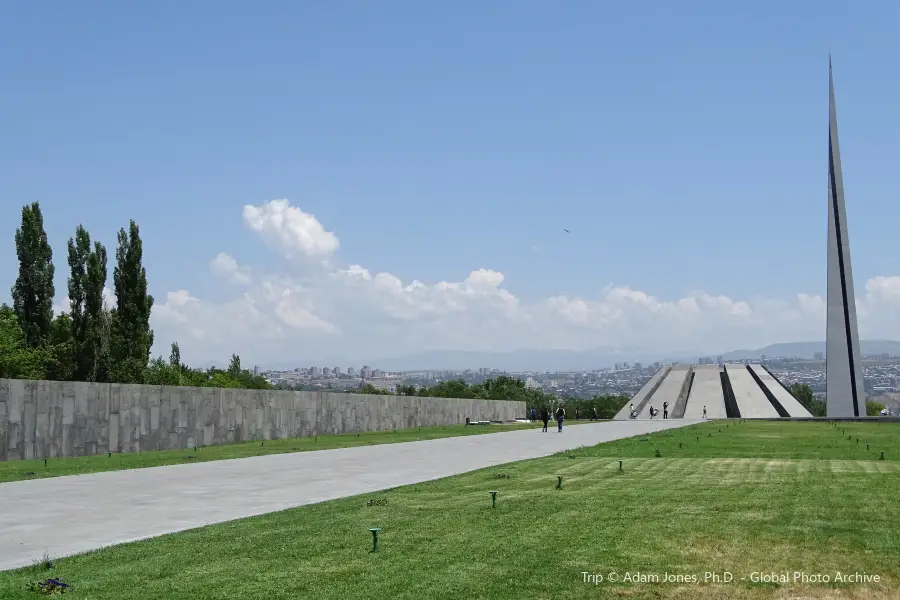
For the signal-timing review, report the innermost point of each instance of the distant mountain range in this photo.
(571, 360)
(808, 349)
(567, 360)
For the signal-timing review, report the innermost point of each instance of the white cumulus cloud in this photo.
(225, 266)
(351, 311)
(287, 228)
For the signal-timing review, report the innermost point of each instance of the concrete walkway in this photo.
(68, 515)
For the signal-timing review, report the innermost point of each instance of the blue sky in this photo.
(682, 144)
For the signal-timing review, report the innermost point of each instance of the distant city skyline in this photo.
(605, 175)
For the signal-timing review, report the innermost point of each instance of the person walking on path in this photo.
(545, 417)
(665, 410)
(560, 416)
(595, 417)
(533, 414)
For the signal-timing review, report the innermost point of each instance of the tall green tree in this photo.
(175, 355)
(79, 249)
(234, 367)
(97, 340)
(132, 337)
(33, 291)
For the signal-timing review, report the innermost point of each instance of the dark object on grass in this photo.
(679, 444)
(658, 453)
(558, 482)
(709, 434)
(720, 430)
(109, 455)
(50, 587)
(27, 473)
(377, 502)
(502, 476)
(45, 462)
(261, 444)
(698, 438)
(189, 457)
(493, 499)
(882, 456)
(620, 465)
(867, 446)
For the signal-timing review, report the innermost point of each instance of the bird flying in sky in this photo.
(566, 230)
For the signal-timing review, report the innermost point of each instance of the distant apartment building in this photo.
(256, 370)
(315, 371)
(351, 371)
(720, 360)
(377, 373)
(326, 371)
(336, 371)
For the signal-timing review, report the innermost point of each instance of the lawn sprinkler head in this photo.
(375, 531)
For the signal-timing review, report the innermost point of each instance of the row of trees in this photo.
(90, 341)
(509, 388)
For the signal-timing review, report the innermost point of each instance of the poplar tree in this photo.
(32, 294)
(132, 337)
(98, 330)
(79, 249)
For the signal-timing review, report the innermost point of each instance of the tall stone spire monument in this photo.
(843, 367)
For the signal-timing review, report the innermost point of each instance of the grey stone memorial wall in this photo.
(45, 419)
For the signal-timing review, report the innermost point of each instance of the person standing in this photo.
(545, 417)
(665, 410)
(533, 414)
(596, 417)
(560, 416)
(704, 411)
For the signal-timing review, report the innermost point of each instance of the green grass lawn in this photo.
(16, 470)
(755, 497)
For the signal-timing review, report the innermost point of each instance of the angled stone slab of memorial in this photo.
(68, 515)
(706, 391)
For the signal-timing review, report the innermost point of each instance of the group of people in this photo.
(654, 411)
(559, 414)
